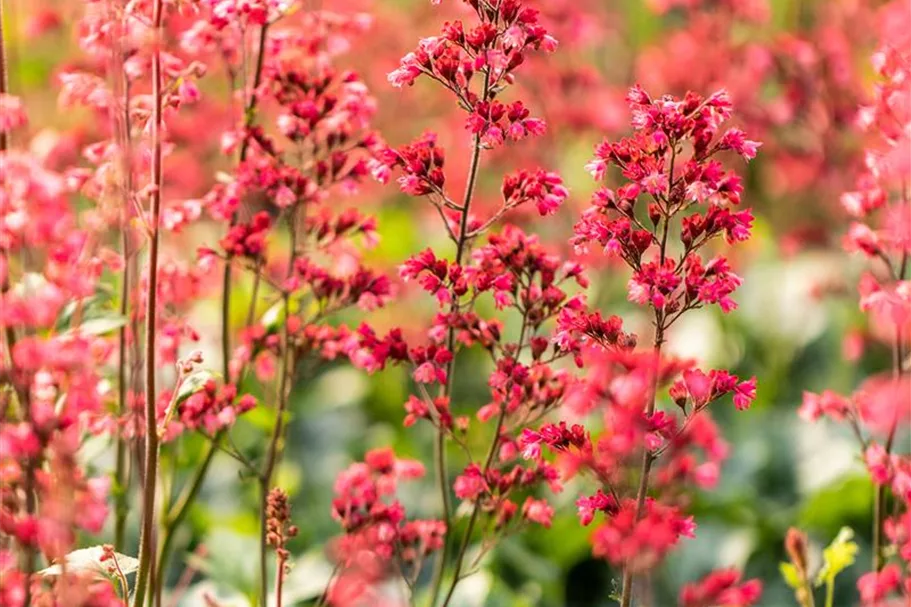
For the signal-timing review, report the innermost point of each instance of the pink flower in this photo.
(597, 168)
(722, 587)
(828, 403)
(878, 463)
(745, 394)
(538, 511)
(416, 410)
(530, 443)
(470, 484)
(875, 587)
(543, 188)
(425, 373)
(735, 139)
(698, 385)
(641, 543)
(12, 114)
(599, 502)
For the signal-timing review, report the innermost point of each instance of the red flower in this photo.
(722, 587)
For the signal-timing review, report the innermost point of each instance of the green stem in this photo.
(181, 508)
(122, 125)
(288, 364)
(475, 511)
(272, 459)
(121, 482)
(488, 462)
(4, 77)
(279, 578)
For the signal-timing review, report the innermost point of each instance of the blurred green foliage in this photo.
(782, 472)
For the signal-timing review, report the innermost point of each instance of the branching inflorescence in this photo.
(675, 200)
(102, 334)
(880, 408)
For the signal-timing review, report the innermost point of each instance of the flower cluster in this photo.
(225, 127)
(300, 135)
(475, 64)
(638, 540)
(213, 408)
(52, 356)
(493, 49)
(721, 587)
(673, 185)
(805, 81)
(880, 406)
(377, 534)
(248, 239)
(279, 528)
(670, 170)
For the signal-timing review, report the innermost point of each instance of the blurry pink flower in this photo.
(538, 511)
(470, 484)
(876, 586)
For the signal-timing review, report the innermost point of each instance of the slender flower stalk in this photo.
(4, 76)
(127, 343)
(648, 458)
(898, 358)
(278, 517)
(180, 509)
(491, 51)
(488, 461)
(248, 120)
(145, 577)
(286, 370)
(439, 453)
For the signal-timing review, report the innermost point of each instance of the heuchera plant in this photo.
(477, 62)
(675, 200)
(56, 351)
(101, 336)
(881, 406)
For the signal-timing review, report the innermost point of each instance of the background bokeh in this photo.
(797, 70)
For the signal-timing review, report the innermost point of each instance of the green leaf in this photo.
(194, 382)
(102, 325)
(309, 575)
(838, 556)
(262, 418)
(97, 305)
(845, 501)
(66, 314)
(273, 318)
(89, 560)
(790, 575)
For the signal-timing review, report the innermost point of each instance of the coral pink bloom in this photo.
(721, 587)
(874, 586)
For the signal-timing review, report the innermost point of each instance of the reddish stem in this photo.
(439, 454)
(145, 576)
(648, 458)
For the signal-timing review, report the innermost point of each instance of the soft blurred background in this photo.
(797, 70)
